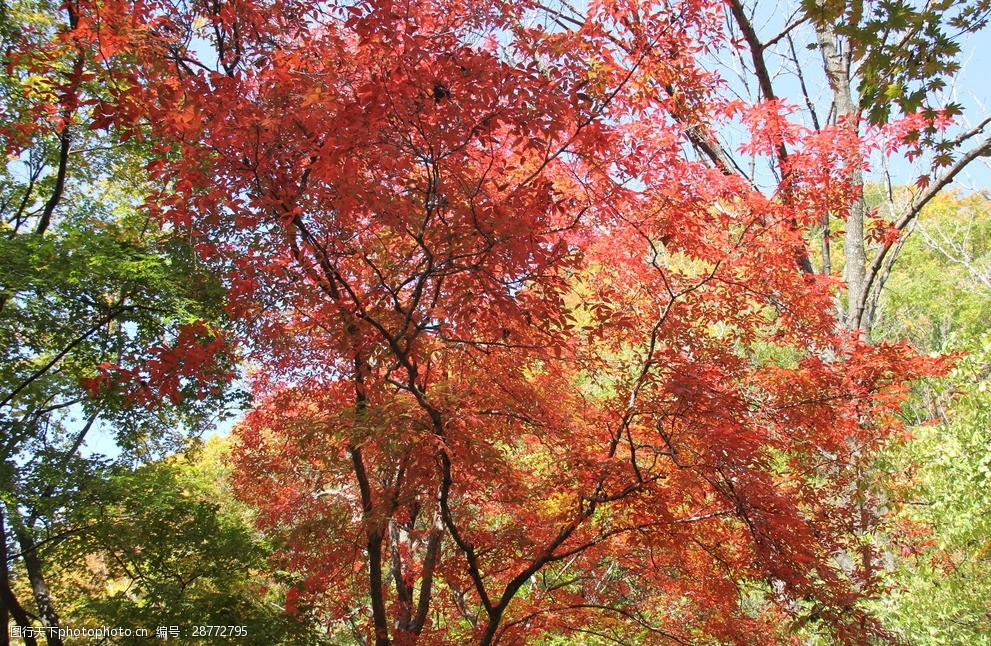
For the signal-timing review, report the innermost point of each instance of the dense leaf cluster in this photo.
(536, 355)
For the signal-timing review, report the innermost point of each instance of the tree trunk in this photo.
(374, 533)
(9, 605)
(42, 595)
(837, 66)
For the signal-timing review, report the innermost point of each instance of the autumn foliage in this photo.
(522, 366)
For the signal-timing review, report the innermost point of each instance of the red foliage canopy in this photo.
(522, 366)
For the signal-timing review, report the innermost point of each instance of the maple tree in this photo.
(523, 367)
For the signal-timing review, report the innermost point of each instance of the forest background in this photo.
(540, 323)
